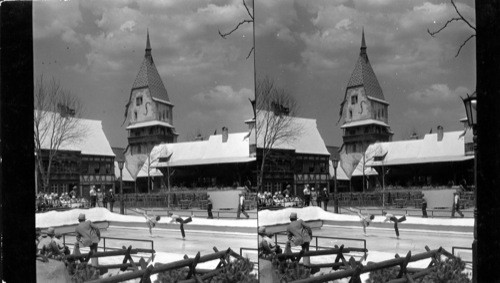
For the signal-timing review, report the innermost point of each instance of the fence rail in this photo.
(106, 247)
(191, 263)
(355, 269)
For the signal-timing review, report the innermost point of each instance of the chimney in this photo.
(224, 134)
(440, 133)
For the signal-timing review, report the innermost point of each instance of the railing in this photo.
(462, 248)
(318, 247)
(106, 247)
(406, 274)
(432, 213)
(193, 276)
(202, 213)
(250, 249)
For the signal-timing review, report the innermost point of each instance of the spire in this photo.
(363, 44)
(148, 46)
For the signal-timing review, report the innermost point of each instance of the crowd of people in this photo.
(286, 199)
(48, 201)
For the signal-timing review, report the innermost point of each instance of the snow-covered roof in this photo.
(341, 175)
(127, 177)
(450, 149)
(149, 123)
(92, 142)
(364, 122)
(307, 141)
(211, 151)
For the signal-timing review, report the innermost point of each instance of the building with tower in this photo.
(149, 110)
(364, 108)
(365, 117)
(148, 114)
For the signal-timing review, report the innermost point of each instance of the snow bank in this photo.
(70, 217)
(275, 217)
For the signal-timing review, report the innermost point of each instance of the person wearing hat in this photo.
(267, 247)
(177, 218)
(88, 235)
(241, 207)
(111, 199)
(59, 245)
(43, 245)
(93, 196)
(299, 234)
(424, 207)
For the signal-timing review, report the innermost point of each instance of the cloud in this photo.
(223, 96)
(54, 19)
(438, 93)
(128, 26)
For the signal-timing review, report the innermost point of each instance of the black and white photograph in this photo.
(364, 146)
(249, 141)
(143, 124)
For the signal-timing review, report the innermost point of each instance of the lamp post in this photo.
(470, 103)
(335, 163)
(122, 205)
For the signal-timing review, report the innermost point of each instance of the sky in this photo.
(310, 48)
(95, 49)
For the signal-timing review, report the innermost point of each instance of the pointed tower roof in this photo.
(149, 77)
(363, 74)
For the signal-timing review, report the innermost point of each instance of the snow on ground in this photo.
(274, 217)
(70, 217)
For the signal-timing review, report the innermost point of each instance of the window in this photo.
(135, 115)
(354, 99)
(138, 101)
(350, 114)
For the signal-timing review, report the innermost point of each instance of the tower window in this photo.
(354, 99)
(135, 115)
(350, 114)
(138, 101)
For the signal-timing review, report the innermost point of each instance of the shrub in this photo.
(82, 272)
(288, 270)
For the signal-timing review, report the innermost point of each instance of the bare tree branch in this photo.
(275, 122)
(457, 19)
(462, 17)
(432, 33)
(249, 21)
(463, 44)
(223, 35)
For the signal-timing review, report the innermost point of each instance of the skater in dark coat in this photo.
(111, 199)
(177, 218)
(391, 217)
(209, 208)
(424, 207)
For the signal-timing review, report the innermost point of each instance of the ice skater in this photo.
(363, 219)
(151, 221)
(391, 217)
(177, 218)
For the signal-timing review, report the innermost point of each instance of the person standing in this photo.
(111, 199)
(299, 234)
(209, 208)
(456, 206)
(177, 218)
(391, 217)
(241, 207)
(314, 197)
(93, 196)
(100, 197)
(307, 195)
(325, 197)
(424, 207)
(88, 235)
(104, 199)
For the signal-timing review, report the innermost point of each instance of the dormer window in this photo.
(138, 101)
(354, 99)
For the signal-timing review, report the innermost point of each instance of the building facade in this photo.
(364, 108)
(149, 110)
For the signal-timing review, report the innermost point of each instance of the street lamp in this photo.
(335, 163)
(470, 103)
(120, 166)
